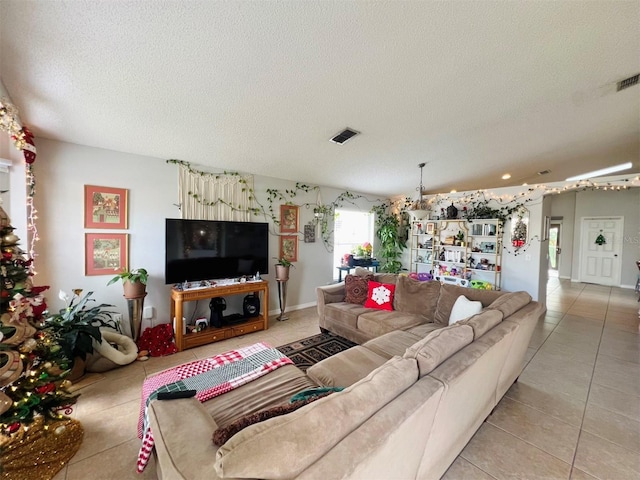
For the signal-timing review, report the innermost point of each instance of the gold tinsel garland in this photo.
(40, 450)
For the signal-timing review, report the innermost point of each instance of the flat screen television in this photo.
(213, 249)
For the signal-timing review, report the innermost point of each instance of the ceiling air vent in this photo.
(628, 82)
(344, 135)
(544, 172)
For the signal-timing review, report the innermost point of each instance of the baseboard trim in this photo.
(293, 308)
(614, 286)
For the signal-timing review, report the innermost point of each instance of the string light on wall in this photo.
(23, 141)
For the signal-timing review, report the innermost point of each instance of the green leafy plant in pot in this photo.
(134, 282)
(77, 326)
(392, 242)
(282, 268)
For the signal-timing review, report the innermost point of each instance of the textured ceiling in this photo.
(475, 89)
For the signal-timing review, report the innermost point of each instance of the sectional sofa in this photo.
(413, 398)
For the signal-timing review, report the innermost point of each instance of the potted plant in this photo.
(134, 282)
(392, 243)
(282, 268)
(77, 326)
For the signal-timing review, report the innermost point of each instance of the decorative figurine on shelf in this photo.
(442, 255)
(452, 211)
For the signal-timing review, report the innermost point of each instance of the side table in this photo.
(343, 268)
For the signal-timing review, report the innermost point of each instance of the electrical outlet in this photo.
(147, 312)
(117, 317)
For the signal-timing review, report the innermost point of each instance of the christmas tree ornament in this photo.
(29, 147)
(10, 239)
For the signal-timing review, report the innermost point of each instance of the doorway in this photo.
(600, 250)
(554, 248)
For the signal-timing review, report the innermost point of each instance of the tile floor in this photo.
(574, 413)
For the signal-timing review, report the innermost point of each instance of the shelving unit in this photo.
(422, 246)
(485, 263)
(212, 334)
(459, 251)
(451, 249)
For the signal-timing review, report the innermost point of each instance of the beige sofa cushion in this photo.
(282, 447)
(392, 343)
(419, 298)
(378, 322)
(450, 293)
(345, 368)
(346, 313)
(425, 329)
(510, 303)
(439, 345)
(483, 322)
(181, 438)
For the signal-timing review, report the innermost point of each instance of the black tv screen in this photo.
(213, 249)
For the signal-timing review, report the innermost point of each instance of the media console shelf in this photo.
(212, 334)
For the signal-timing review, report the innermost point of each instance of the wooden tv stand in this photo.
(212, 334)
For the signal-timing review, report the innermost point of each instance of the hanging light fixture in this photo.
(420, 208)
(420, 203)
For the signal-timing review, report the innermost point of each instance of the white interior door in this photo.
(601, 264)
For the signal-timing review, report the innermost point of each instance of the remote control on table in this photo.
(172, 395)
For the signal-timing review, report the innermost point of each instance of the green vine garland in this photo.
(325, 220)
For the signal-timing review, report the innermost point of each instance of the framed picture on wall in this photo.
(289, 247)
(289, 218)
(309, 233)
(105, 207)
(106, 253)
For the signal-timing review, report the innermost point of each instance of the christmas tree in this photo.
(32, 363)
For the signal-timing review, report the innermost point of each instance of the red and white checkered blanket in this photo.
(209, 377)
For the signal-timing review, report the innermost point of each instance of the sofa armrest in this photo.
(182, 430)
(329, 294)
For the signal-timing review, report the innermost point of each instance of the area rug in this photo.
(310, 350)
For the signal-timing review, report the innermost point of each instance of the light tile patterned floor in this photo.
(574, 412)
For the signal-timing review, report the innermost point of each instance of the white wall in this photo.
(63, 169)
(564, 206)
(624, 203)
(521, 270)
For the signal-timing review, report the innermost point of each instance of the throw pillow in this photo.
(464, 308)
(221, 435)
(356, 288)
(380, 295)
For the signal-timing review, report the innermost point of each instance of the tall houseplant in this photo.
(134, 282)
(391, 241)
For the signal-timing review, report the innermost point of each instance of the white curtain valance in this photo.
(208, 190)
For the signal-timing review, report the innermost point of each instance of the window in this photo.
(351, 228)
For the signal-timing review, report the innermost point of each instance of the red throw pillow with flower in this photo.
(380, 295)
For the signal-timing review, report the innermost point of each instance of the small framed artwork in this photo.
(105, 207)
(106, 253)
(289, 217)
(309, 233)
(430, 228)
(289, 247)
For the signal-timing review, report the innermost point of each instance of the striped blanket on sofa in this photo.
(210, 377)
